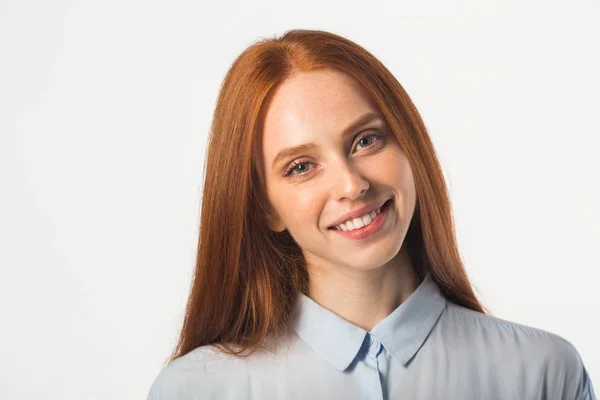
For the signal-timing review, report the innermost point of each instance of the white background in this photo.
(105, 108)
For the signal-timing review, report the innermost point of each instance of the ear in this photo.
(275, 223)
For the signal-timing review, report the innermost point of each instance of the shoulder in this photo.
(545, 356)
(200, 374)
(497, 333)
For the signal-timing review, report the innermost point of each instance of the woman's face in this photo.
(318, 167)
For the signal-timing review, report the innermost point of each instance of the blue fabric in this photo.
(428, 348)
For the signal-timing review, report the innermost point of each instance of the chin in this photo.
(369, 261)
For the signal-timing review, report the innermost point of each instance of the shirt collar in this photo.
(402, 333)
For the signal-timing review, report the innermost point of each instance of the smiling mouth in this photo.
(361, 222)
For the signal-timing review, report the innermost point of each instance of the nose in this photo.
(348, 181)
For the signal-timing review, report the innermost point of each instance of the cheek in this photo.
(406, 186)
(299, 205)
(395, 171)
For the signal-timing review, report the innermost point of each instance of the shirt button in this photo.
(374, 346)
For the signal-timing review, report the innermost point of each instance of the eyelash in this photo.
(376, 134)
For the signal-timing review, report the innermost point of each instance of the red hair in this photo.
(247, 276)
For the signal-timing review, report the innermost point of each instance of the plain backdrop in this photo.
(105, 108)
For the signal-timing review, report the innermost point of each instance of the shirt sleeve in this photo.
(170, 384)
(154, 391)
(569, 373)
(588, 392)
(201, 376)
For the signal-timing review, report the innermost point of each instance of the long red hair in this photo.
(247, 276)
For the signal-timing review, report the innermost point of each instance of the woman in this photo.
(327, 263)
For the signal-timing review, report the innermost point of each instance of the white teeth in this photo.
(367, 219)
(358, 223)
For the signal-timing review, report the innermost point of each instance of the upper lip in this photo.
(358, 213)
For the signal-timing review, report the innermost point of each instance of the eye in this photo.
(368, 139)
(297, 168)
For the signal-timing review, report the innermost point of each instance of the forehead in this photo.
(315, 102)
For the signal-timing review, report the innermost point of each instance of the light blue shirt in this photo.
(428, 348)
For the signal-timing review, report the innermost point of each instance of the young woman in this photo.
(327, 263)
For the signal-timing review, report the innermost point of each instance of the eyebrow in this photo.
(290, 151)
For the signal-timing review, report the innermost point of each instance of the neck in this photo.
(364, 297)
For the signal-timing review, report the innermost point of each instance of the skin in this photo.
(361, 281)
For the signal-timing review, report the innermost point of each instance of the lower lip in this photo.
(369, 230)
